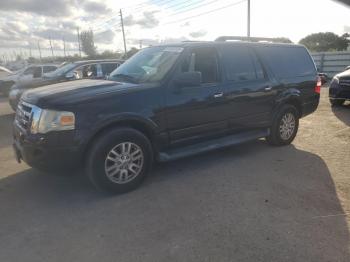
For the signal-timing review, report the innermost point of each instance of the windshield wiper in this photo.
(128, 78)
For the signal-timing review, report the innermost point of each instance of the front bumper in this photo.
(337, 91)
(50, 152)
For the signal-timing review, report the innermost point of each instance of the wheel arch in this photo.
(144, 126)
(292, 97)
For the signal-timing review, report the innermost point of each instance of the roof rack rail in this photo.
(244, 38)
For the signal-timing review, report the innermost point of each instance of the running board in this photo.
(211, 145)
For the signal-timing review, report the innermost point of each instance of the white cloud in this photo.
(24, 23)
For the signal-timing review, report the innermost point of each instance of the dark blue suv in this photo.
(164, 103)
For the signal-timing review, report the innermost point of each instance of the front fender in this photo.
(123, 118)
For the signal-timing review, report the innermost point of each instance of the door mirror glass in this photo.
(188, 79)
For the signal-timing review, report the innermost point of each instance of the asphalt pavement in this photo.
(251, 202)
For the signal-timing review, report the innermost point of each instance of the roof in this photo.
(98, 61)
(43, 65)
(227, 43)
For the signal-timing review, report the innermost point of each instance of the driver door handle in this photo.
(217, 95)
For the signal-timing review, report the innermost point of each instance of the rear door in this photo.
(248, 93)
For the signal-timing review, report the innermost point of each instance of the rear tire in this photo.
(284, 127)
(336, 102)
(119, 160)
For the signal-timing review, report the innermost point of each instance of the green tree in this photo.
(87, 43)
(321, 42)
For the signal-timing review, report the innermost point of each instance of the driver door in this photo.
(196, 112)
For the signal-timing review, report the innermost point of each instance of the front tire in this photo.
(119, 160)
(284, 127)
(336, 102)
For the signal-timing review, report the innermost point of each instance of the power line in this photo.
(194, 7)
(204, 13)
(163, 8)
(140, 13)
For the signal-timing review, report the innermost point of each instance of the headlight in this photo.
(335, 80)
(44, 121)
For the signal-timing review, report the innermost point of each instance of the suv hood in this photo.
(72, 92)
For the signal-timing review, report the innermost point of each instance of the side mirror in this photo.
(188, 79)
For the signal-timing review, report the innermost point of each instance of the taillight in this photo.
(318, 85)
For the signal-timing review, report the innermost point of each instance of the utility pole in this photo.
(51, 46)
(122, 23)
(39, 50)
(79, 41)
(140, 44)
(64, 47)
(248, 19)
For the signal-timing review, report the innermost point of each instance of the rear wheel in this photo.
(119, 160)
(336, 102)
(284, 127)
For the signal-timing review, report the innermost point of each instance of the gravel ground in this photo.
(250, 202)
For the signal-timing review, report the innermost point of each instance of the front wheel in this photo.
(284, 127)
(119, 160)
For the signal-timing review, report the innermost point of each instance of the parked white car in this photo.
(28, 75)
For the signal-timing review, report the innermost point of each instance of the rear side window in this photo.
(240, 64)
(287, 61)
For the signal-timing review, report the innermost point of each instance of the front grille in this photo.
(344, 83)
(24, 115)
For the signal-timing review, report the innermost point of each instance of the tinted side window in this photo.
(287, 61)
(204, 60)
(29, 71)
(239, 65)
(37, 72)
(49, 68)
(108, 68)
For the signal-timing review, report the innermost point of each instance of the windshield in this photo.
(149, 65)
(61, 70)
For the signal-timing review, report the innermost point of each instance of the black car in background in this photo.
(164, 103)
(339, 89)
(90, 69)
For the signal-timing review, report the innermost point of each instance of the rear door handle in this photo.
(217, 95)
(268, 88)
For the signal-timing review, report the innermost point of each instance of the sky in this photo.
(25, 23)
